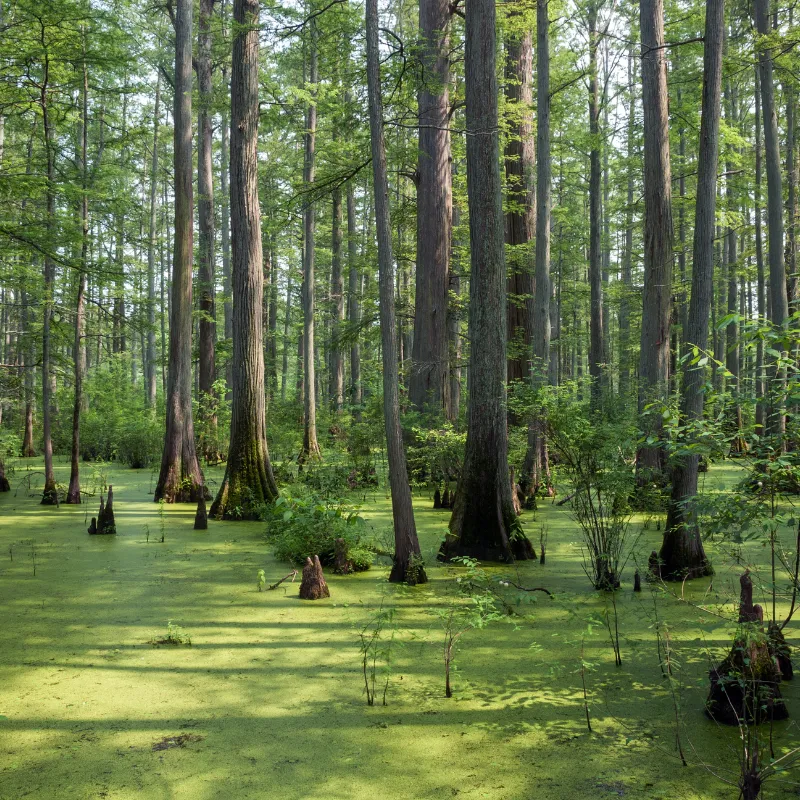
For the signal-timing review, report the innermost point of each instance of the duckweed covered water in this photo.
(268, 702)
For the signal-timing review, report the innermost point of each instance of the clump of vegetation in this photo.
(175, 637)
(302, 526)
(598, 458)
(376, 639)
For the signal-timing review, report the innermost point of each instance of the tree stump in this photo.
(747, 611)
(105, 518)
(313, 586)
(342, 565)
(637, 581)
(201, 515)
(93, 526)
(446, 498)
(437, 498)
(780, 650)
(654, 565)
(745, 685)
(5, 486)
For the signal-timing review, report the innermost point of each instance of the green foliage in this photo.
(175, 636)
(306, 525)
(376, 639)
(262, 580)
(436, 455)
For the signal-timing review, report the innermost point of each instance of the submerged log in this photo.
(313, 586)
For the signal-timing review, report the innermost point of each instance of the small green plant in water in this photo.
(175, 636)
(376, 639)
(262, 580)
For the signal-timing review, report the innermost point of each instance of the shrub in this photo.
(303, 526)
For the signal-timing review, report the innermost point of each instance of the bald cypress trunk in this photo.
(428, 385)
(761, 290)
(682, 551)
(407, 566)
(353, 301)
(658, 236)
(150, 360)
(206, 366)
(249, 482)
(778, 300)
(336, 384)
(310, 448)
(180, 479)
(483, 524)
(520, 167)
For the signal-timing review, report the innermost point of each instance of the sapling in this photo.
(161, 523)
(262, 580)
(376, 639)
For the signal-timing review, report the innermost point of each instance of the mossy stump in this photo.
(744, 687)
(201, 515)
(313, 586)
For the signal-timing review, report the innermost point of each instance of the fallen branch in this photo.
(292, 575)
(566, 499)
(532, 589)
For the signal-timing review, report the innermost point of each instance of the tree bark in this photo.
(337, 306)
(682, 553)
(226, 236)
(181, 479)
(483, 524)
(150, 360)
(353, 302)
(310, 450)
(520, 167)
(206, 367)
(761, 288)
(428, 384)
(597, 353)
(407, 564)
(658, 236)
(248, 483)
(74, 490)
(779, 304)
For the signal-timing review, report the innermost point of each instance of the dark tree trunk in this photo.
(682, 551)
(535, 470)
(310, 450)
(760, 278)
(74, 490)
(336, 388)
(353, 302)
(779, 305)
(249, 483)
(597, 353)
(226, 237)
(407, 565)
(483, 524)
(28, 450)
(520, 167)
(658, 235)
(150, 360)
(428, 385)
(180, 479)
(205, 219)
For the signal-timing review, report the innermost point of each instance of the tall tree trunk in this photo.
(226, 235)
(337, 306)
(150, 361)
(597, 352)
(310, 450)
(428, 384)
(682, 553)
(520, 167)
(453, 404)
(407, 564)
(74, 490)
(50, 492)
(119, 339)
(761, 288)
(483, 524)
(181, 479)
(627, 255)
(658, 235)
(536, 470)
(249, 482)
(779, 304)
(287, 320)
(353, 302)
(205, 218)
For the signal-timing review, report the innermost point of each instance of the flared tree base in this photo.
(50, 496)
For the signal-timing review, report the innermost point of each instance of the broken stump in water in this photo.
(201, 516)
(105, 517)
(780, 650)
(654, 565)
(313, 586)
(93, 526)
(747, 611)
(437, 498)
(744, 687)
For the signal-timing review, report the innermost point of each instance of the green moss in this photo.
(273, 688)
